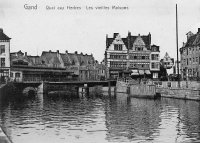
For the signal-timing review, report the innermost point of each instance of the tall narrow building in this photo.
(4, 56)
(190, 56)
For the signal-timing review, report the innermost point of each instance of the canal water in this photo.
(102, 119)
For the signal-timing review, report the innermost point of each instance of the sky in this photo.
(34, 31)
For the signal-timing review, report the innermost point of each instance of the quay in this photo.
(188, 90)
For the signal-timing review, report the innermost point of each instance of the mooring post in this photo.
(109, 88)
(77, 91)
(115, 91)
(87, 91)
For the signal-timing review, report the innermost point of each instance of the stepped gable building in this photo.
(167, 62)
(190, 56)
(4, 56)
(133, 53)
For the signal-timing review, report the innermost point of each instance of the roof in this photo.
(3, 36)
(51, 57)
(193, 40)
(34, 60)
(145, 38)
(66, 59)
(73, 58)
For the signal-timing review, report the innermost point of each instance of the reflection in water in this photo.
(102, 119)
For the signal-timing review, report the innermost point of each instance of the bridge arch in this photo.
(29, 91)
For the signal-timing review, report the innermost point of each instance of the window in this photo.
(155, 57)
(2, 62)
(118, 47)
(17, 74)
(2, 49)
(154, 65)
(11, 74)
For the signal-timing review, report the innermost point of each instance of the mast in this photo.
(177, 44)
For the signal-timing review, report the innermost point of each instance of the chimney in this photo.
(129, 33)
(57, 51)
(76, 52)
(1, 30)
(149, 40)
(189, 34)
(66, 51)
(25, 54)
(115, 35)
(107, 41)
(49, 51)
(183, 44)
(198, 30)
(81, 53)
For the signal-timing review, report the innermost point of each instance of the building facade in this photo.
(54, 66)
(190, 56)
(168, 63)
(131, 53)
(4, 56)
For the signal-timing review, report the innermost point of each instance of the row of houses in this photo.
(131, 55)
(56, 66)
(134, 54)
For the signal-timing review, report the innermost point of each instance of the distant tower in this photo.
(4, 56)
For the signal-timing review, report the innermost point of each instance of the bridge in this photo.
(28, 87)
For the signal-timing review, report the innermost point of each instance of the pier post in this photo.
(115, 91)
(40, 89)
(77, 91)
(109, 88)
(87, 91)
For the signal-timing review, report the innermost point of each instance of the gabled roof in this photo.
(34, 60)
(51, 57)
(193, 39)
(66, 59)
(145, 38)
(73, 58)
(3, 36)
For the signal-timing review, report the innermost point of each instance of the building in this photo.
(54, 66)
(132, 53)
(168, 63)
(4, 56)
(190, 56)
(26, 68)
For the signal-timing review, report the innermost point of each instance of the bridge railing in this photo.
(38, 79)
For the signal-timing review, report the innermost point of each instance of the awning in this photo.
(134, 72)
(147, 72)
(141, 72)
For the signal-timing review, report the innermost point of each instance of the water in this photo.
(100, 120)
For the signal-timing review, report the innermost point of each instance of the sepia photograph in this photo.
(100, 71)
